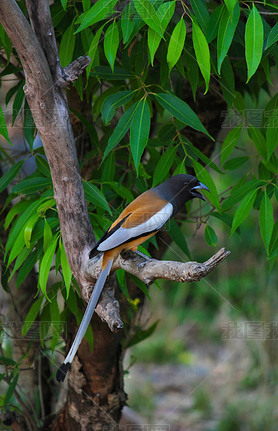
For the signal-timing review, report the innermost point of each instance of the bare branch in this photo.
(148, 271)
(73, 70)
(40, 18)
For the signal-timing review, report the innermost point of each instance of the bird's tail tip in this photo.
(62, 372)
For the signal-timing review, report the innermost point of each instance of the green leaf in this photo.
(100, 10)
(121, 129)
(202, 53)
(272, 37)
(49, 203)
(264, 173)
(121, 279)
(47, 235)
(210, 236)
(93, 50)
(3, 127)
(266, 220)
(18, 100)
(230, 4)
(22, 256)
(153, 43)
(57, 260)
(111, 43)
(7, 361)
(239, 103)
(45, 322)
(16, 247)
(89, 127)
(239, 193)
(67, 46)
(28, 126)
(122, 191)
(38, 230)
(45, 264)
(43, 166)
(142, 286)
(176, 44)
(57, 325)
(32, 185)
(21, 221)
(254, 39)
(201, 11)
(126, 24)
(226, 31)
(165, 13)
(12, 91)
(243, 210)
(139, 131)
(6, 42)
(94, 195)
(114, 101)
(213, 23)
(164, 164)
(31, 316)
(258, 140)
(273, 246)
(64, 4)
(57, 14)
(226, 218)
(142, 334)
(26, 268)
(266, 67)
(203, 175)
(192, 70)
(227, 82)
(197, 154)
(181, 110)
(230, 142)
(67, 273)
(105, 72)
(86, 5)
(148, 14)
(271, 134)
(15, 210)
(109, 168)
(29, 229)
(235, 163)
(11, 388)
(7, 178)
(178, 237)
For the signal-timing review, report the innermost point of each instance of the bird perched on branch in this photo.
(140, 220)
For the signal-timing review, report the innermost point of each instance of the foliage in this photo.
(144, 54)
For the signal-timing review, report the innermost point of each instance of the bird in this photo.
(140, 220)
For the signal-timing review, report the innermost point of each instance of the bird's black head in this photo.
(180, 189)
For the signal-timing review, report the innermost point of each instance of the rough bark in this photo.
(95, 395)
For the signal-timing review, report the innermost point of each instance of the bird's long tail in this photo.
(62, 372)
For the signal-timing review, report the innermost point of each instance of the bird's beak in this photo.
(202, 187)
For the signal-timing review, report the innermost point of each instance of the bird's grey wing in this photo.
(123, 235)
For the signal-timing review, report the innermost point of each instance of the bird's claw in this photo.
(142, 264)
